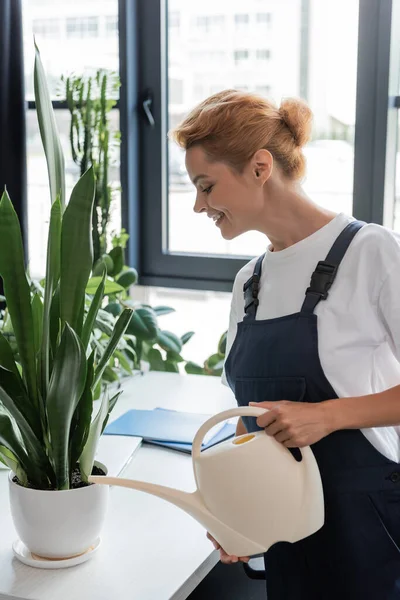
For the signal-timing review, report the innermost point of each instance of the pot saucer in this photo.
(22, 553)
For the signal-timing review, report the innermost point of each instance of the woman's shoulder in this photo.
(372, 258)
(377, 242)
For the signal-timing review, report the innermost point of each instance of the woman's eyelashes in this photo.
(208, 190)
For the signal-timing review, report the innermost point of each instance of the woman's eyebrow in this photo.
(201, 176)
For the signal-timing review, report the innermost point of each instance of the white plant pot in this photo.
(58, 524)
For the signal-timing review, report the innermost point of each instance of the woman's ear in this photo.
(262, 165)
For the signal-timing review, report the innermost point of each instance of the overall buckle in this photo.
(322, 279)
(251, 289)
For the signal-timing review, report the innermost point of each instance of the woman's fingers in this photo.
(214, 541)
(226, 559)
(273, 429)
(282, 436)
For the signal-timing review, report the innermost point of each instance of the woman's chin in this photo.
(228, 235)
(227, 231)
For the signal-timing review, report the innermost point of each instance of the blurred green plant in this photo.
(144, 338)
(213, 365)
(90, 100)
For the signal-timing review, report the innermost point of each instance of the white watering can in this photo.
(251, 491)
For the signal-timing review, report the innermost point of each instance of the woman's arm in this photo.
(373, 410)
(298, 424)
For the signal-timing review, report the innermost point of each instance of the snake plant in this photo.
(46, 395)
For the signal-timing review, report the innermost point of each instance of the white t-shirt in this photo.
(358, 324)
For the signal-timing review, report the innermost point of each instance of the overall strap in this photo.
(250, 290)
(326, 270)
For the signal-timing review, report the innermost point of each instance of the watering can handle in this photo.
(241, 411)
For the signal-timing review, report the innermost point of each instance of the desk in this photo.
(150, 549)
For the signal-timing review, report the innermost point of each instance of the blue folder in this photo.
(171, 428)
(227, 431)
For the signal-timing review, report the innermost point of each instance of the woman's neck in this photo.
(291, 216)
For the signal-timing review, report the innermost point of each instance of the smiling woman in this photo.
(233, 141)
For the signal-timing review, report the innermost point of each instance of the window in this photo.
(264, 90)
(81, 27)
(263, 18)
(112, 25)
(187, 249)
(240, 55)
(210, 23)
(174, 19)
(47, 28)
(263, 54)
(176, 91)
(242, 19)
(62, 54)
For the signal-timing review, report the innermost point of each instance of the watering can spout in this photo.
(191, 503)
(184, 500)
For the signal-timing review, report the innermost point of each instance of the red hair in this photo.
(231, 126)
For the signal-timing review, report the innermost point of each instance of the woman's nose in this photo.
(200, 205)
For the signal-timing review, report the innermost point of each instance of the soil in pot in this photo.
(76, 479)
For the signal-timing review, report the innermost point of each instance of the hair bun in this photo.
(297, 116)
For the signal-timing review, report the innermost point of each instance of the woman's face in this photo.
(233, 200)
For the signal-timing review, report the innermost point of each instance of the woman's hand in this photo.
(295, 424)
(225, 558)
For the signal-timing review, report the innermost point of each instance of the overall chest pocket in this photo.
(271, 389)
(262, 389)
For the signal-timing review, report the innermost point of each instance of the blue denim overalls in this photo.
(355, 556)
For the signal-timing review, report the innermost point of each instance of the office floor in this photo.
(229, 582)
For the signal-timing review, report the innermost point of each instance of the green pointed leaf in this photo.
(80, 425)
(49, 132)
(127, 278)
(144, 324)
(6, 356)
(12, 385)
(52, 278)
(193, 369)
(110, 286)
(37, 315)
(39, 469)
(92, 313)
(163, 310)
(12, 453)
(87, 457)
(17, 292)
(119, 330)
(76, 250)
(111, 405)
(55, 321)
(10, 460)
(117, 256)
(169, 341)
(65, 390)
(186, 337)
